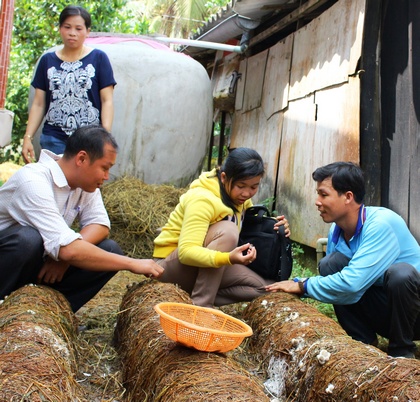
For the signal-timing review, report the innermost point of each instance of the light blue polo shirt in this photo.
(382, 239)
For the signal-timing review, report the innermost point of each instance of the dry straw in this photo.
(157, 369)
(319, 362)
(7, 169)
(137, 210)
(38, 358)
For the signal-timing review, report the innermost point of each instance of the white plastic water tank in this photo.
(163, 110)
(6, 125)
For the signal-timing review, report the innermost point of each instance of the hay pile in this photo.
(308, 356)
(7, 169)
(137, 210)
(38, 351)
(159, 370)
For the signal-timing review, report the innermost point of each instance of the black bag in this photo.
(274, 250)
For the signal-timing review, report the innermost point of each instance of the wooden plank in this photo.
(326, 51)
(401, 147)
(412, 113)
(276, 81)
(400, 110)
(254, 130)
(240, 88)
(318, 129)
(371, 131)
(222, 80)
(254, 81)
(414, 195)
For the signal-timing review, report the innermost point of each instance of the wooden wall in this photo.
(297, 104)
(400, 105)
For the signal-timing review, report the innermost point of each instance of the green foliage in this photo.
(216, 4)
(178, 18)
(269, 204)
(35, 30)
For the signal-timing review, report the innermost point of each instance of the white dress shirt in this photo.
(39, 196)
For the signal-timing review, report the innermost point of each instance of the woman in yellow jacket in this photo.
(198, 245)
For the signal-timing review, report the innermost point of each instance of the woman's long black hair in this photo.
(71, 11)
(241, 163)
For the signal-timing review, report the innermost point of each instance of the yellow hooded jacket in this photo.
(200, 207)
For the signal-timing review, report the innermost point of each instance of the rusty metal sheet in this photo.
(254, 81)
(276, 80)
(253, 130)
(317, 130)
(326, 51)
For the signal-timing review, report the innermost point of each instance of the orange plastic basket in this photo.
(201, 328)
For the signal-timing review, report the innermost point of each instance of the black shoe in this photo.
(403, 355)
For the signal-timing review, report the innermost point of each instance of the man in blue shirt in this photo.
(371, 273)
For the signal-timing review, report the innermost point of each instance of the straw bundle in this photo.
(136, 211)
(189, 375)
(159, 370)
(7, 169)
(312, 359)
(38, 358)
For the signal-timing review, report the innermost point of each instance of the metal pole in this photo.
(201, 43)
(320, 243)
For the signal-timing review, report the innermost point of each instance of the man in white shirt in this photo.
(38, 205)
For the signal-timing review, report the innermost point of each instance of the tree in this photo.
(179, 18)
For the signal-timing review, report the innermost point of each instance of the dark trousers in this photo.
(21, 258)
(391, 310)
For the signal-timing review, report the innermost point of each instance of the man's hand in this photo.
(148, 268)
(52, 271)
(284, 286)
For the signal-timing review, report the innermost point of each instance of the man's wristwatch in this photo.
(301, 282)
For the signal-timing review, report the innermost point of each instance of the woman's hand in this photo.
(244, 254)
(28, 152)
(281, 220)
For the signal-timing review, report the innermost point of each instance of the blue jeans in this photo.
(53, 144)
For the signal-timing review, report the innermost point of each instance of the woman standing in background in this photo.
(74, 87)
